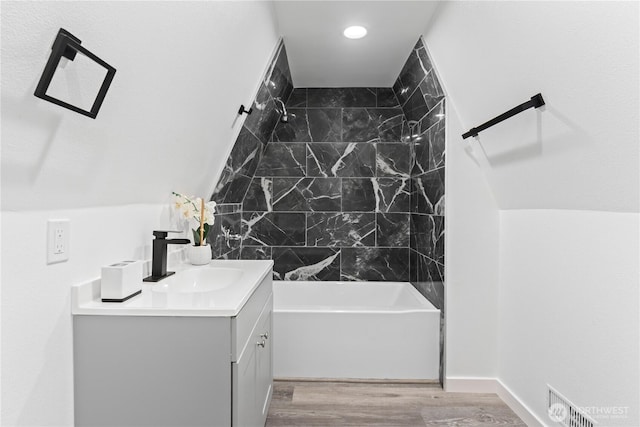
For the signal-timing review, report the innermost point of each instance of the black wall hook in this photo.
(243, 110)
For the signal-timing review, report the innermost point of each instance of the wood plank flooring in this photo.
(338, 403)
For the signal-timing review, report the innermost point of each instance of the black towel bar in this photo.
(535, 102)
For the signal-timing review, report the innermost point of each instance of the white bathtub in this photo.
(354, 330)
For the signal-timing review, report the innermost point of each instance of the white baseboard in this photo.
(518, 406)
(470, 385)
(493, 385)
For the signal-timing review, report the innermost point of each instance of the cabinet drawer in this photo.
(244, 322)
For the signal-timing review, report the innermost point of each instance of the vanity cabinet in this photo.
(252, 375)
(150, 370)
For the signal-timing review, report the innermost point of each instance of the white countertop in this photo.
(85, 297)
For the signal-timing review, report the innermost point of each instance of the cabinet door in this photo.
(264, 360)
(245, 413)
(253, 374)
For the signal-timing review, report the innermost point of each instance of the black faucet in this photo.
(159, 258)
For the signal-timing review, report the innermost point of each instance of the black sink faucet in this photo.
(159, 258)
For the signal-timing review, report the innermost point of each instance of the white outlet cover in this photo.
(57, 240)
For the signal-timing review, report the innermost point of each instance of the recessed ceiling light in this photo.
(355, 32)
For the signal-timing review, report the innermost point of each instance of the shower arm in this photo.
(284, 109)
(284, 118)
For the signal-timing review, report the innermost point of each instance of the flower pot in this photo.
(199, 255)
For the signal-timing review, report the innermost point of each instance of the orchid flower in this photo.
(189, 209)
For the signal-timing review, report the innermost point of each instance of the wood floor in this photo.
(335, 403)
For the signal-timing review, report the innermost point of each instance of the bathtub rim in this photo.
(425, 305)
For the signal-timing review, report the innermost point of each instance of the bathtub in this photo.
(368, 330)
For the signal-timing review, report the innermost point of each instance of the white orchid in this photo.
(189, 209)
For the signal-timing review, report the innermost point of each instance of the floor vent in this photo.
(565, 413)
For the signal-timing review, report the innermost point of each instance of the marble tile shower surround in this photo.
(330, 198)
(421, 98)
(346, 190)
(351, 188)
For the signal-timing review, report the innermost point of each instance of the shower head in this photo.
(284, 118)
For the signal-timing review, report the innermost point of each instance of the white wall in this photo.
(37, 365)
(566, 183)
(472, 236)
(168, 120)
(167, 124)
(582, 152)
(569, 309)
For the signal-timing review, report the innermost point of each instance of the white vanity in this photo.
(192, 350)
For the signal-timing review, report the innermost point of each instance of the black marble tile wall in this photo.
(366, 124)
(256, 252)
(341, 159)
(306, 263)
(421, 97)
(239, 168)
(330, 197)
(417, 87)
(348, 189)
(225, 237)
(307, 194)
(274, 228)
(341, 229)
(375, 264)
(283, 159)
(392, 229)
(247, 151)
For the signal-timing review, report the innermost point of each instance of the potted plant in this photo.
(200, 217)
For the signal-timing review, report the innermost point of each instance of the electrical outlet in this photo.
(57, 240)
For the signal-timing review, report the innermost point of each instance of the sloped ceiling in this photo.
(320, 56)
